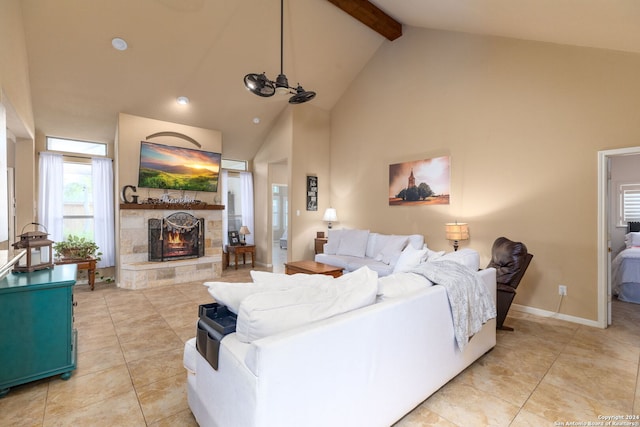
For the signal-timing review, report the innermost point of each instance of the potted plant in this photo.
(75, 247)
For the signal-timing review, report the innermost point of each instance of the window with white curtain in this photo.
(628, 203)
(237, 197)
(68, 191)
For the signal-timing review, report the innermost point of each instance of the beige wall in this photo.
(300, 140)
(310, 157)
(522, 122)
(14, 68)
(15, 95)
(267, 169)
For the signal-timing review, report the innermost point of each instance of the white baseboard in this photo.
(553, 315)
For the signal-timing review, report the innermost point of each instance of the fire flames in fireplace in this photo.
(175, 239)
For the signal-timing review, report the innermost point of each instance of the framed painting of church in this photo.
(420, 182)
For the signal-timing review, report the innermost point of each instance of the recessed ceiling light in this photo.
(119, 44)
(256, 120)
(182, 100)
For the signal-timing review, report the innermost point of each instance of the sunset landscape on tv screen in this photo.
(176, 168)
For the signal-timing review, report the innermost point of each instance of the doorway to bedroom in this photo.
(618, 171)
(279, 225)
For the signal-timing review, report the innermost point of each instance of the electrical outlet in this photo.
(562, 290)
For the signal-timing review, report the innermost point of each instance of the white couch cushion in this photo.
(409, 259)
(416, 240)
(431, 255)
(353, 243)
(269, 313)
(400, 284)
(390, 247)
(371, 246)
(354, 263)
(232, 294)
(287, 280)
(333, 241)
(467, 257)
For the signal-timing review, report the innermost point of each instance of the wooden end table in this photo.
(319, 244)
(83, 264)
(312, 267)
(241, 249)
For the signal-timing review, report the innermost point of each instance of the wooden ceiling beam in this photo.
(371, 16)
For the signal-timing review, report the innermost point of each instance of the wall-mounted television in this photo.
(177, 168)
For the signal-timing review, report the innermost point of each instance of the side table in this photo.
(240, 249)
(319, 244)
(83, 264)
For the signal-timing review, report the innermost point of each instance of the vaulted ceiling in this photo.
(203, 48)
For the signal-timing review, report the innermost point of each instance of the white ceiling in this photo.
(203, 48)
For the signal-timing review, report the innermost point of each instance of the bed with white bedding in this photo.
(625, 268)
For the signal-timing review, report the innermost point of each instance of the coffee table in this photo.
(312, 267)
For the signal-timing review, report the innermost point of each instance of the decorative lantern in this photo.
(39, 250)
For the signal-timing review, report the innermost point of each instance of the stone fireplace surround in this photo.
(136, 272)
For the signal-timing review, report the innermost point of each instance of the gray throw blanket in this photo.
(471, 304)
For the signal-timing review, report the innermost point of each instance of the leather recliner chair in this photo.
(510, 259)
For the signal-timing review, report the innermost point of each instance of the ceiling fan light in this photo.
(282, 85)
(259, 84)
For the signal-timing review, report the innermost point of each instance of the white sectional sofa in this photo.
(365, 367)
(351, 249)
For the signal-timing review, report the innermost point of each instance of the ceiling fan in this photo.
(260, 84)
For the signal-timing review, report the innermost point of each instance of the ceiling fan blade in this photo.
(301, 96)
(259, 84)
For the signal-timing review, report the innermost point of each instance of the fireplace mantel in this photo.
(166, 206)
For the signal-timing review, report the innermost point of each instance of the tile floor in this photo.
(130, 369)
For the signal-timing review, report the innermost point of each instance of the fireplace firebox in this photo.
(177, 236)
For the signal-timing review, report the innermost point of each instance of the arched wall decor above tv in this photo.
(177, 135)
(177, 168)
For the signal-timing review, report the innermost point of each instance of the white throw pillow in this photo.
(409, 259)
(431, 255)
(391, 249)
(632, 239)
(353, 243)
(416, 240)
(269, 313)
(232, 294)
(333, 241)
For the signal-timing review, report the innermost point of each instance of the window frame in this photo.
(234, 165)
(50, 139)
(623, 188)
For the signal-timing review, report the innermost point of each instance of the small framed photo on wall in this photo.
(312, 193)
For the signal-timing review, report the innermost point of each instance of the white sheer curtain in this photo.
(103, 217)
(246, 195)
(50, 196)
(224, 190)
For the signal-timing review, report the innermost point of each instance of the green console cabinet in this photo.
(37, 339)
